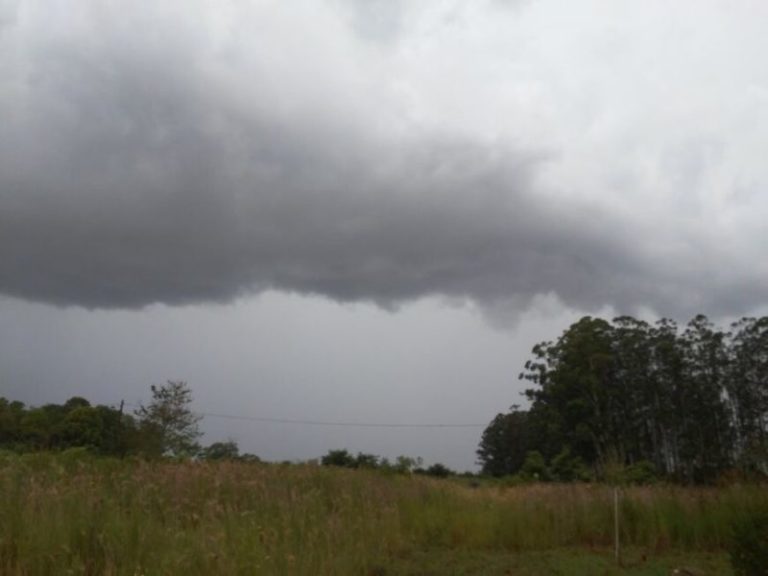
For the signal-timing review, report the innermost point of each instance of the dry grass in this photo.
(74, 514)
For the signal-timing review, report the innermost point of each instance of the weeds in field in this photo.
(81, 515)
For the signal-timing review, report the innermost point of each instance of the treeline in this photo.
(686, 404)
(75, 423)
(164, 427)
(401, 464)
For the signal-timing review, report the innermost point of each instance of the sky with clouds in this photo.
(366, 211)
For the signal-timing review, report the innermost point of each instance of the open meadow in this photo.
(75, 514)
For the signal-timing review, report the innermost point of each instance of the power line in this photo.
(340, 424)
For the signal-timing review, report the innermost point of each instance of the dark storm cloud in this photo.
(130, 174)
(194, 219)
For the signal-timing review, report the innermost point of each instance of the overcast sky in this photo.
(365, 210)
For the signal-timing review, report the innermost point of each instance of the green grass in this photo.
(562, 561)
(73, 514)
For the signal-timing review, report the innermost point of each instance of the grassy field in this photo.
(72, 514)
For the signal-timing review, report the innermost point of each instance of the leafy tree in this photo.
(667, 390)
(438, 470)
(39, 426)
(11, 417)
(118, 432)
(341, 458)
(366, 460)
(83, 426)
(168, 425)
(504, 444)
(76, 402)
(577, 392)
(535, 467)
(406, 464)
(221, 451)
(707, 432)
(642, 472)
(748, 393)
(248, 457)
(617, 394)
(566, 467)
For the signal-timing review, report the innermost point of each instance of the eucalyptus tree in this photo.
(504, 444)
(707, 425)
(668, 393)
(575, 402)
(748, 392)
(634, 390)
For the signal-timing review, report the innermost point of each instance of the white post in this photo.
(616, 520)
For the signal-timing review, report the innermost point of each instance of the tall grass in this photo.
(78, 515)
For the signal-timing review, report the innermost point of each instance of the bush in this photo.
(340, 458)
(438, 470)
(568, 468)
(640, 473)
(366, 461)
(221, 451)
(749, 546)
(534, 467)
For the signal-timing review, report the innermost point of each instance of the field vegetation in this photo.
(75, 513)
(679, 421)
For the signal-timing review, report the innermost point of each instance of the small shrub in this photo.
(568, 468)
(749, 546)
(438, 470)
(535, 467)
(362, 460)
(340, 458)
(221, 451)
(640, 473)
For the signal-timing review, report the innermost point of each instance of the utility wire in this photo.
(329, 423)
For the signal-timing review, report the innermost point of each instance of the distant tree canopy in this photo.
(689, 404)
(75, 423)
(221, 451)
(165, 427)
(402, 464)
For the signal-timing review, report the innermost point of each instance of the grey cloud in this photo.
(376, 20)
(129, 178)
(8, 10)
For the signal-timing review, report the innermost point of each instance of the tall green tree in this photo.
(690, 404)
(227, 450)
(504, 444)
(707, 430)
(748, 392)
(575, 400)
(168, 425)
(11, 417)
